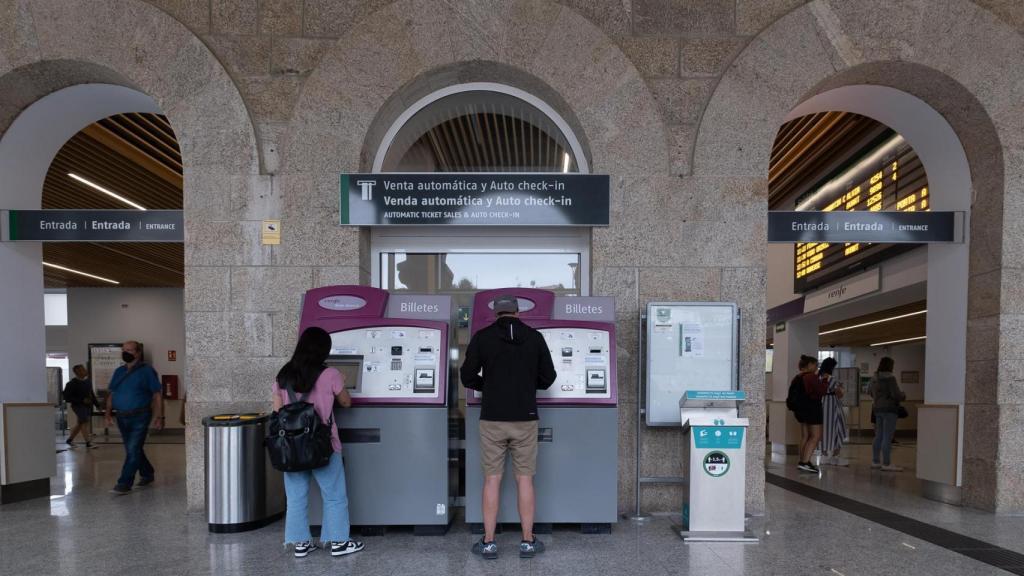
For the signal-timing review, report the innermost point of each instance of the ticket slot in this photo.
(597, 382)
(425, 381)
(359, 435)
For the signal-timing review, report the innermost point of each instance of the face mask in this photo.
(128, 357)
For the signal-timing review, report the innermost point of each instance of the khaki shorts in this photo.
(500, 438)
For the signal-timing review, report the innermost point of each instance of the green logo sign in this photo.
(716, 464)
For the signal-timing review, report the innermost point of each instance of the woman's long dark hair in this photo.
(307, 361)
(828, 365)
(886, 364)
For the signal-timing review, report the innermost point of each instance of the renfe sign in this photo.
(94, 225)
(867, 227)
(474, 199)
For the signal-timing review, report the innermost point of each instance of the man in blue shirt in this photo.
(135, 394)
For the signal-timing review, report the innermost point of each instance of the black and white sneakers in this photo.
(345, 548)
(527, 548)
(530, 549)
(808, 467)
(489, 550)
(302, 549)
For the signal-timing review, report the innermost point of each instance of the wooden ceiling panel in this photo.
(137, 157)
(130, 264)
(808, 147)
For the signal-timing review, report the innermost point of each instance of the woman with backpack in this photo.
(886, 393)
(805, 394)
(305, 378)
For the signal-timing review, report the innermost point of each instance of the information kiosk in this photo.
(577, 457)
(393, 351)
(715, 447)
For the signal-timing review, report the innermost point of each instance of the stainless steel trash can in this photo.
(243, 491)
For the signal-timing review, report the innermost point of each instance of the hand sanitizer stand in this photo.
(714, 509)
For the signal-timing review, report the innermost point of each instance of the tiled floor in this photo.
(898, 492)
(84, 530)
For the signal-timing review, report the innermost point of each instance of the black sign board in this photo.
(94, 225)
(870, 227)
(474, 199)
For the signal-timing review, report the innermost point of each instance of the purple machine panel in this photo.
(390, 355)
(583, 350)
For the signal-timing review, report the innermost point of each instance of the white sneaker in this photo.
(875, 465)
(840, 461)
(302, 549)
(892, 468)
(345, 548)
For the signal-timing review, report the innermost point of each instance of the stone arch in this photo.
(48, 46)
(541, 47)
(54, 45)
(930, 52)
(399, 43)
(472, 72)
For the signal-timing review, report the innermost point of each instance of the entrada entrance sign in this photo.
(868, 227)
(473, 199)
(93, 225)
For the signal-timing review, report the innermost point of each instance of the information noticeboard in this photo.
(103, 360)
(690, 346)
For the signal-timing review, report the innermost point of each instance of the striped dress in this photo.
(834, 419)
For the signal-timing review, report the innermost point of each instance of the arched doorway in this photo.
(181, 76)
(819, 55)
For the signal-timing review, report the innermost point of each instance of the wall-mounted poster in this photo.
(913, 377)
(690, 346)
(103, 360)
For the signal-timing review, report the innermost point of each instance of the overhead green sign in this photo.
(474, 199)
(93, 225)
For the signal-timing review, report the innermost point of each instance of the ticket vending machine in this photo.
(394, 353)
(577, 457)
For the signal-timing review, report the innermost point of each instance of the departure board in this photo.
(889, 177)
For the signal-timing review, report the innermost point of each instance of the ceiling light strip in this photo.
(105, 191)
(873, 322)
(900, 341)
(80, 273)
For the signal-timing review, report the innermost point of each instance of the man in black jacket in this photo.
(515, 363)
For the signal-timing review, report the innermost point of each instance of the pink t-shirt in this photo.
(322, 397)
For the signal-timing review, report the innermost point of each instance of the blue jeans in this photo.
(331, 478)
(885, 429)
(134, 429)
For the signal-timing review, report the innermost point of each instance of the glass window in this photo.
(55, 309)
(454, 273)
(480, 131)
(59, 360)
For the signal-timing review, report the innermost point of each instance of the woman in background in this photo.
(808, 411)
(887, 397)
(833, 417)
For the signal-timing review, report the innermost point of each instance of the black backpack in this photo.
(797, 396)
(297, 439)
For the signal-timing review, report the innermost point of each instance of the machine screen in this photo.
(351, 367)
(582, 361)
(389, 361)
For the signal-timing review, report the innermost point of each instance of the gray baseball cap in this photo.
(506, 305)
